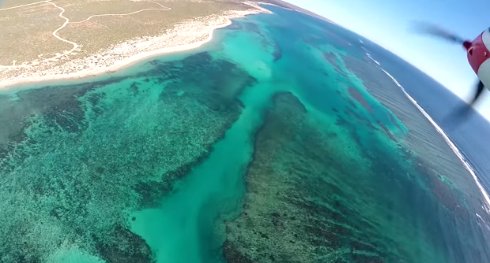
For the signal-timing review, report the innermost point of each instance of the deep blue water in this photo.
(469, 135)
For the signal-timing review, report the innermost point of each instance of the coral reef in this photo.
(80, 158)
(312, 198)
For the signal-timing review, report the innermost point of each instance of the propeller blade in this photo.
(479, 89)
(462, 113)
(433, 30)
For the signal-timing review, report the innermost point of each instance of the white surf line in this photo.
(19, 6)
(453, 147)
(257, 6)
(371, 58)
(483, 221)
(368, 54)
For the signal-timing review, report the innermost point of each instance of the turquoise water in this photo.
(262, 146)
(182, 228)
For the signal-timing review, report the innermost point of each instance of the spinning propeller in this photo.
(478, 53)
(436, 31)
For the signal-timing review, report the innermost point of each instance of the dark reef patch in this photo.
(332, 59)
(312, 198)
(82, 156)
(123, 247)
(280, 221)
(59, 104)
(355, 94)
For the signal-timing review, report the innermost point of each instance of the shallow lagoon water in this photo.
(262, 146)
(183, 228)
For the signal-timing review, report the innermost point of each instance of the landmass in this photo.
(61, 39)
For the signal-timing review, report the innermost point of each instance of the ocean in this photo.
(440, 102)
(284, 139)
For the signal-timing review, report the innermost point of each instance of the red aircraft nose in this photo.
(477, 52)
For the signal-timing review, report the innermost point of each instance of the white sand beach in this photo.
(186, 35)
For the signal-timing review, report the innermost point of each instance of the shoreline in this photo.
(185, 36)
